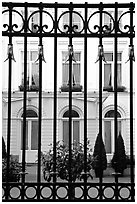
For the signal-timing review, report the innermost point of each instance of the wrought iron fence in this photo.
(97, 30)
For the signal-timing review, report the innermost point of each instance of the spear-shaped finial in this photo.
(131, 54)
(70, 53)
(40, 54)
(101, 54)
(10, 53)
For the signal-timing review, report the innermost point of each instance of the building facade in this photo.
(62, 88)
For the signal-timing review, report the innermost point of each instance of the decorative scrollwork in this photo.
(75, 28)
(125, 29)
(35, 27)
(105, 28)
(16, 27)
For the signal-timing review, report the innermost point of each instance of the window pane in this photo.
(33, 55)
(107, 127)
(119, 56)
(77, 56)
(26, 146)
(119, 75)
(34, 135)
(119, 127)
(35, 74)
(107, 75)
(76, 131)
(65, 73)
(76, 73)
(64, 56)
(108, 57)
(66, 132)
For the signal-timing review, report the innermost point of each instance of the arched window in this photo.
(109, 129)
(111, 114)
(75, 127)
(31, 130)
(74, 114)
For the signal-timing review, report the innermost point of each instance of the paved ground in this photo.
(62, 192)
(32, 172)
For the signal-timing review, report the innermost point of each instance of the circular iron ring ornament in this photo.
(51, 192)
(127, 28)
(35, 194)
(97, 192)
(82, 192)
(65, 196)
(113, 192)
(37, 26)
(129, 190)
(74, 28)
(10, 194)
(104, 29)
(14, 26)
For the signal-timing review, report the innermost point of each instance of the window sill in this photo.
(111, 89)
(108, 88)
(75, 88)
(29, 88)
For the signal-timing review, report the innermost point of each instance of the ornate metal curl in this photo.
(10, 53)
(126, 28)
(74, 28)
(37, 26)
(70, 53)
(105, 29)
(40, 54)
(14, 26)
(101, 54)
(131, 55)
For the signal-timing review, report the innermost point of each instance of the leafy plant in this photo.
(120, 159)
(62, 161)
(99, 155)
(14, 170)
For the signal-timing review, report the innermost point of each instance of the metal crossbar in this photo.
(71, 31)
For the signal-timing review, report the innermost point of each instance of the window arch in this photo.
(109, 129)
(31, 130)
(74, 114)
(75, 127)
(111, 114)
(30, 114)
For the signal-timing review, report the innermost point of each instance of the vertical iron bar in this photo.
(85, 105)
(131, 106)
(9, 104)
(24, 105)
(100, 98)
(115, 94)
(55, 105)
(70, 102)
(40, 105)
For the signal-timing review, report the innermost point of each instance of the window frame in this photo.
(119, 62)
(78, 62)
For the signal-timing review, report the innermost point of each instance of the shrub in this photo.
(14, 170)
(120, 160)
(99, 155)
(62, 161)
